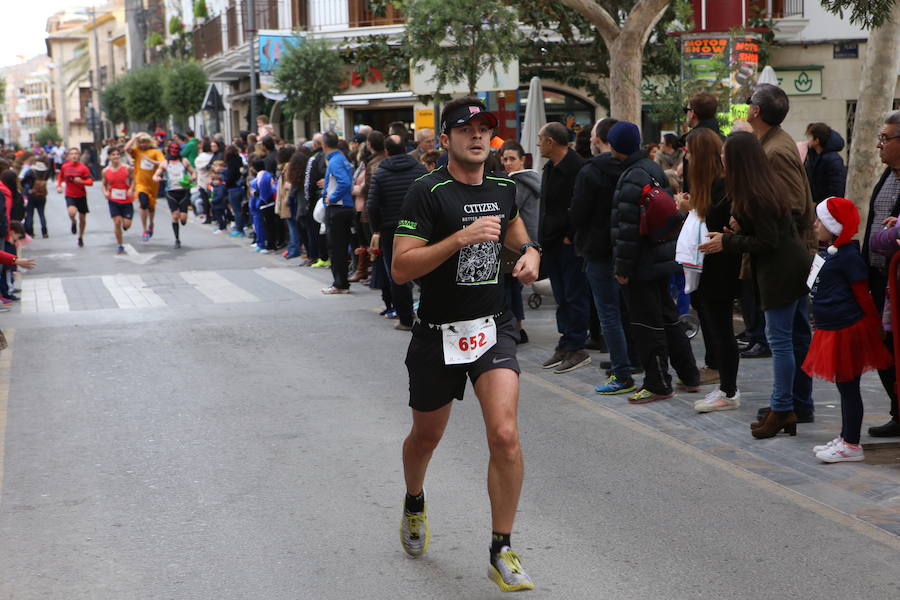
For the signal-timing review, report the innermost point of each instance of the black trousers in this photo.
(851, 410)
(754, 317)
(340, 221)
(659, 336)
(718, 336)
(878, 281)
(271, 226)
(401, 295)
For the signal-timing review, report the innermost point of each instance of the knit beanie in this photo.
(625, 138)
(841, 218)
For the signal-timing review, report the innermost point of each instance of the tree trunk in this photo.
(626, 55)
(876, 97)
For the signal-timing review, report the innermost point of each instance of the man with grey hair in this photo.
(768, 108)
(884, 207)
(565, 267)
(424, 142)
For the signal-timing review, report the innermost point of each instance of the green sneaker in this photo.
(414, 532)
(614, 385)
(645, 396)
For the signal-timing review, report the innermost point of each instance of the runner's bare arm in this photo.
(414, 257)
(104, 184)
(157, 176)
(527, 267)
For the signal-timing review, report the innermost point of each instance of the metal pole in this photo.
(251, 30)
(96, 79)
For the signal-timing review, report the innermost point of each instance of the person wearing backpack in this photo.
(645, 226)
(35, 185)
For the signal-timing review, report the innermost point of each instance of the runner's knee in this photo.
(503, 440)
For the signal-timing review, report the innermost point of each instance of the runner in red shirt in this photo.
(116, 187)
(75, 175)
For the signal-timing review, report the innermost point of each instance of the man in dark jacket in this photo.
(883, 206)
(644, 268)
(312, 190)
(591, 213)
(570, 288)
(824, 166)
(388, 188)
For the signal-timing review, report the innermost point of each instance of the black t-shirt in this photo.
(833, 303)
(468, 285)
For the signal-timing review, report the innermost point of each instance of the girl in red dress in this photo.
(847, 340)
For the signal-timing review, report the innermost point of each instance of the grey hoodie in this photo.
(528, 199)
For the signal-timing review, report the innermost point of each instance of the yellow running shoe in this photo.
(414, 533)
(507, 572)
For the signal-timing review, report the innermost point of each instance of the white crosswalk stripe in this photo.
(44, 294)
(129, 291)
(217, 288)
(292, 280)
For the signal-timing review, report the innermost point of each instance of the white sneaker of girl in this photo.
(841, 452)
(823, 447)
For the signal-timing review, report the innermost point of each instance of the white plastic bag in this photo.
(319, 211)
(687, 250)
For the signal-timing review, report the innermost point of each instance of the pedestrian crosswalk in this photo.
(185, 288)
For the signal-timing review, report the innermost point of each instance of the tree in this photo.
(461, 38)
(142, 90)
(876, 89)
(112, 99)
(183, 89)
(47, 133)
(309, 73)
(625, 43)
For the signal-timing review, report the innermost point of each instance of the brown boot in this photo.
(776, 421)
(362, 265)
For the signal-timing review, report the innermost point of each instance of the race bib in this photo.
(117, 194)
(147, 164)
(817, 263)
(467, 341)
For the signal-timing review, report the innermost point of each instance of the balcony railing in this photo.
(775, 9)
(335, 14)
(231, 23)
(208, 39)
(265, 13)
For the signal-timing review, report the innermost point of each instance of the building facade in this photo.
(27, 101)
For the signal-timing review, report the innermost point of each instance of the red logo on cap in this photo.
(474, 110)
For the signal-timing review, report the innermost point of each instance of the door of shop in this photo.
(381, 118)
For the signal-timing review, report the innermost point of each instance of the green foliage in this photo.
(155, 39)
(200, 9)
(47, 133)
(867, 14)
(389, 55)
(142, 90)
(310, 73)
(183, 88)
(112, 101)
(462, 38)
(175, 25)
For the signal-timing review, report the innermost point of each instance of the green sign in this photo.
(800, 82)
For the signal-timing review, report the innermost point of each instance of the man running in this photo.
(146, 160)
(116, 185)
(75, 175)
(451, 229)
(179, 175)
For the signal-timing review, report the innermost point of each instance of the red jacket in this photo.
(7, 259)
(69, 171)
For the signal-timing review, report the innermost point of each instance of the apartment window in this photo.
(300, 14)
(363, 15)
(231, 23)
(265, 13)
(775, 9)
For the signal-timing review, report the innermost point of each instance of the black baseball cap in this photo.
(464, 114)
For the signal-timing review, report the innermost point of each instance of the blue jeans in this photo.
(235, 199)
(788, 333)
(607, 296)
(293, 248)
(571, 292)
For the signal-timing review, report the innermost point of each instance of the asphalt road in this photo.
(203, 424)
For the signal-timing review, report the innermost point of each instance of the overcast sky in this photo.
(25, 28)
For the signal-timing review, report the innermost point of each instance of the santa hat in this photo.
(840, 217)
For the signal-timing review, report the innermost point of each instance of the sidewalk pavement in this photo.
(869, 491)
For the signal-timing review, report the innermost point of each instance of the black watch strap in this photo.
(528, 245)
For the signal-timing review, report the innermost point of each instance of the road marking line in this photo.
(129, 291)
(823, 510)
(44, 294)
(217, 288)
(5, 368)
(296, 282)
(132, 255)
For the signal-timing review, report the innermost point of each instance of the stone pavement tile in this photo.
(259, 286)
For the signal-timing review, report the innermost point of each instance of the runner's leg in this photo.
(117, 224)
(427, 431)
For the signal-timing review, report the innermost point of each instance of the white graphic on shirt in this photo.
(479, 264)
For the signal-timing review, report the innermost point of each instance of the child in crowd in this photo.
(219, 196)
(846, 342)
(262, 203)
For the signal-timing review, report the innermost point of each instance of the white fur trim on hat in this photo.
(830, 223)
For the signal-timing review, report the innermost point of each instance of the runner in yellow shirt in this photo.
(146, 159)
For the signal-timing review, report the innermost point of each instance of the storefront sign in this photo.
(728, 63)
(271, 49)
(846, 50)
(800, 82)
(424, 84)
(704, 58)
(424, 119)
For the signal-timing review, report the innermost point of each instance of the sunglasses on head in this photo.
(687, 109)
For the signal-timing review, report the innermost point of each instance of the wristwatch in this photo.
(528, 245)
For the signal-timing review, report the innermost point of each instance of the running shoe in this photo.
(145, 237)
(321, 264)
(74, 227)
(177, 244)
(391, 314)
(717, 400)
(384, 313)
(824, 447)
(120, 249)
(645, 396)
(507, 572)
(233, 234)
(13, 297)
(5, 301)
(555, 360)
(841, 452)
(80, 243)
(684, 387)
(149, 232)
(218, 231)
(263, 251)
(614, 386)
(414, 532)
(332, 291)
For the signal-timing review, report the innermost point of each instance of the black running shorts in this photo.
(121, 209)
(80, 204)
(146, 201)
(178, 200)
(432, 384)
